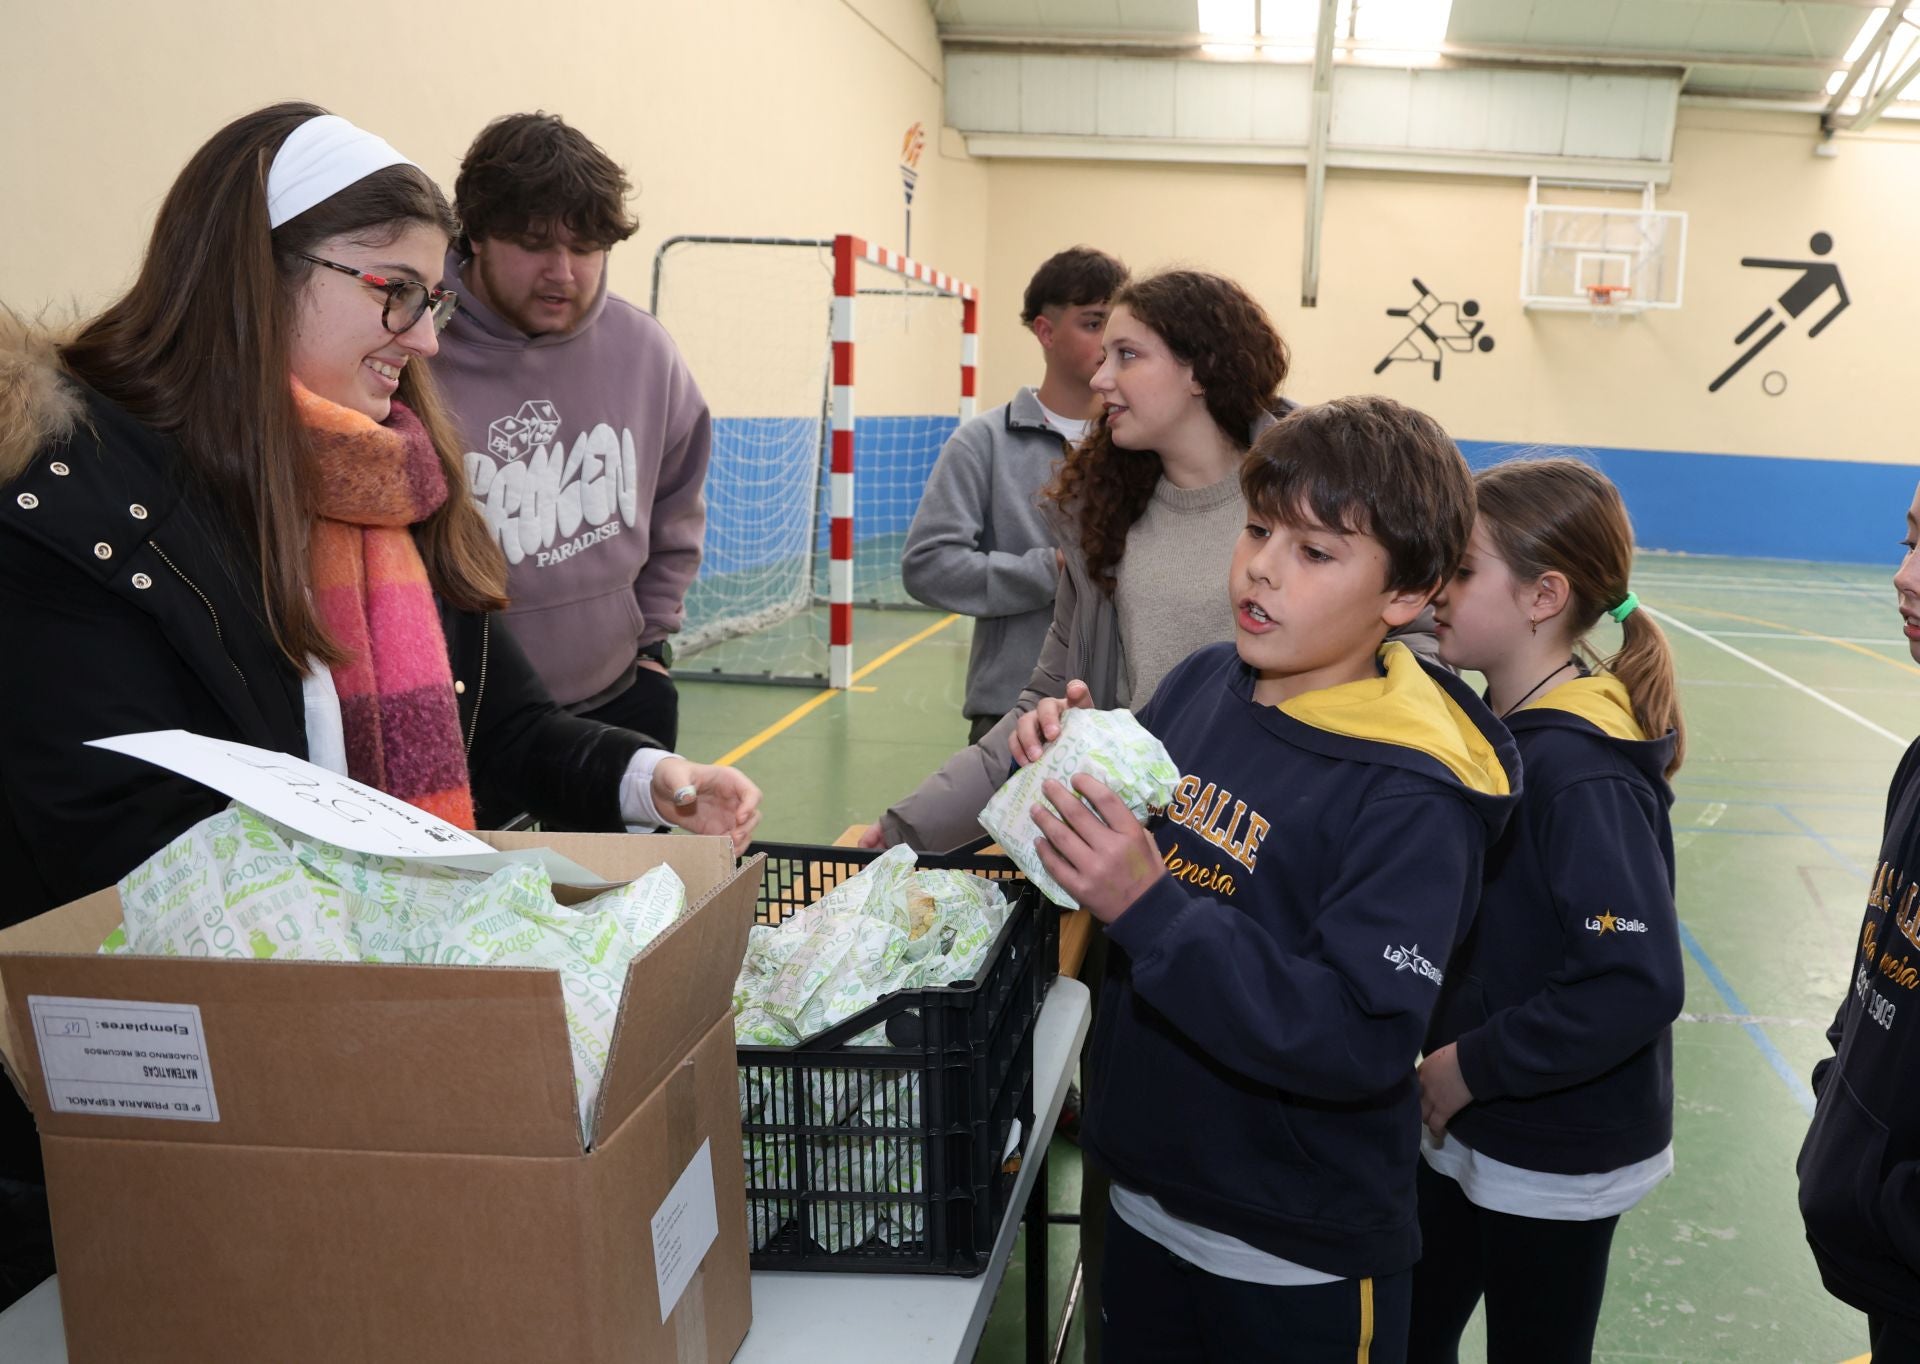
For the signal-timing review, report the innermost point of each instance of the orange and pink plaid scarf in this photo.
(370, 587)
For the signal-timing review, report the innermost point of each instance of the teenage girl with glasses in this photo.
(231, 504)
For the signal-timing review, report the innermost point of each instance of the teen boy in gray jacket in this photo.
(979, 544)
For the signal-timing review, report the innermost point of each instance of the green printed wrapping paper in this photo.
(1108, 745)
(238, 885)
(890, 927)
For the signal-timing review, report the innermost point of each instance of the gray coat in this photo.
(1082, 641)
(980, 545)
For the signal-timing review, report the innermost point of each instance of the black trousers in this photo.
(1543, 1281)
(651, 706)
(1895, 1340)
(1162, 1310)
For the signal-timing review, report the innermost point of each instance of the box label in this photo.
(124, 1059)
(687, 1223)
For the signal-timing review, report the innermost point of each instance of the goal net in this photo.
(833, 371)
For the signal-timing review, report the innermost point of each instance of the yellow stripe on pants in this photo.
(1366, 1319)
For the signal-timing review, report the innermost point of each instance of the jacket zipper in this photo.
(480, 687)
(205, 601)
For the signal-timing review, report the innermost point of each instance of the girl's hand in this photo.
(1102, 856)
(1040, 726)
(873, 838)
(704, 799)
(1443, 1090)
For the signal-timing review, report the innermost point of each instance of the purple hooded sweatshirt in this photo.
(587, 453)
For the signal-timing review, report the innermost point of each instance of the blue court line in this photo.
(1858, 807)
(1754, 784)
(1821, 839)
(1802, 1095)
(1742, 833)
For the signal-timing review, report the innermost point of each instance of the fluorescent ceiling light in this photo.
(1390, 29)
(1899, 48)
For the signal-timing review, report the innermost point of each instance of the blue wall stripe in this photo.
(1797, 1086)
(1838, 511)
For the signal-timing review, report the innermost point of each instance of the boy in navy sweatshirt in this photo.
(1859, 1193)
(1282, 933)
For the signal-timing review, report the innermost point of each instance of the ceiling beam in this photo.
(1319, 132)
(1890, 87)
(1191, 46)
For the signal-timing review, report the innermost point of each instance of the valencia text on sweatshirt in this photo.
(1858, 1191)
(1562, 997)
(587, 454)
(1257, 1033)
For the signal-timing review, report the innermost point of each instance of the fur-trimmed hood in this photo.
(38, 404)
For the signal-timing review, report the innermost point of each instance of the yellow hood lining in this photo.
(1408, 709)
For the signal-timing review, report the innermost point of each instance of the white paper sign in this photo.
(124, 1059)
(322, 804)
(687, 1223)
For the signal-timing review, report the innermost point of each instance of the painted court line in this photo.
(813, 703)
(1795, 1085)
(1754, 1020)
(1809, 831)
(1763, 585)
(1778, 676)
(1791, 637)
(1852, 646)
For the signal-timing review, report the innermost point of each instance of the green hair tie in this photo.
(1625, 608)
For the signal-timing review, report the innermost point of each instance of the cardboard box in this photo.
(396, 1170)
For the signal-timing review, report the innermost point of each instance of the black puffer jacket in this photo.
(120, 615)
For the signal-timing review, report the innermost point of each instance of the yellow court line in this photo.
(1859, 1359)
(1804, 634)
(813, 703)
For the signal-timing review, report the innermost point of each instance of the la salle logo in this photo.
(1610, 923)
(1409, 959)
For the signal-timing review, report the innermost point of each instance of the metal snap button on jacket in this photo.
(59, 468)
(27, 501)
(139, 512)
(142, 581)
(103, 550)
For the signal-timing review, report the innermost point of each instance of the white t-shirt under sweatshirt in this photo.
(1074, 431)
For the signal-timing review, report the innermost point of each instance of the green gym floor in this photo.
(1800, 696)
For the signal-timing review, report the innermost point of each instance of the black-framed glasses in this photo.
(407, 299)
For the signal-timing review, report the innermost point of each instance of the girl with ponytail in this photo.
(1547, 1087)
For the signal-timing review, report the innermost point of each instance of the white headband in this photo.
(319, 159)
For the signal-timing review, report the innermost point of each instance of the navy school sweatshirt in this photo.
(1563, 995)
(1858, 1191)
(1257, 1031)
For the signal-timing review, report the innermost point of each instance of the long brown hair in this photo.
(1560, 515)
(198, 349)
(1239, 361)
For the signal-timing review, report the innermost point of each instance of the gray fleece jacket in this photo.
(980, 545)
(587, 453)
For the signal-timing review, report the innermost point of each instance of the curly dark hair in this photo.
(1238, 360)
(528, 171)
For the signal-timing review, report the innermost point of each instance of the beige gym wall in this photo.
(770, 117)
(1749, 182)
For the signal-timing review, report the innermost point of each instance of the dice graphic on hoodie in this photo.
(537, 422)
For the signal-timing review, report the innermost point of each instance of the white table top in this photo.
(845, 1317)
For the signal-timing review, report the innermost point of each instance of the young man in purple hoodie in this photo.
(586, 436)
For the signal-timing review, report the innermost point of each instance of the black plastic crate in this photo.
(894, 1159)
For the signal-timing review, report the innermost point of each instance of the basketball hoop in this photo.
(1603, 301)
